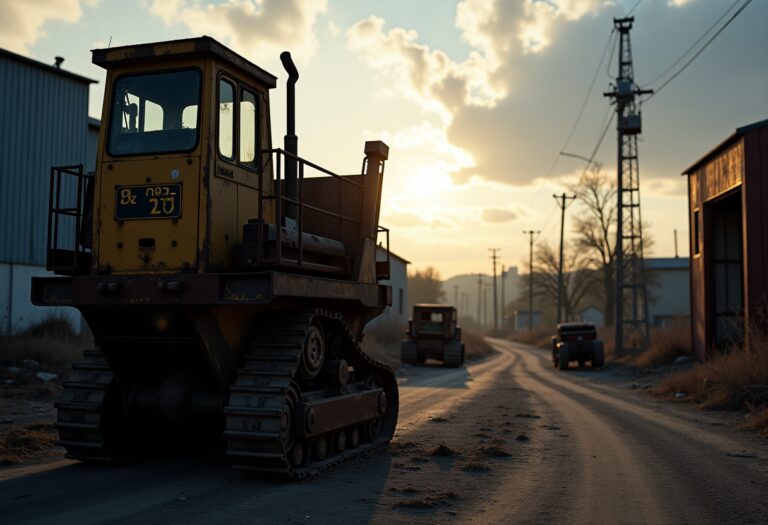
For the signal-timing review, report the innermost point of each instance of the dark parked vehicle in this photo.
(433, 332)
(577, 342)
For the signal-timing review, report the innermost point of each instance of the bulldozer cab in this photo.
(187, 180)
(433, 320)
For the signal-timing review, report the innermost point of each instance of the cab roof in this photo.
(184, 48)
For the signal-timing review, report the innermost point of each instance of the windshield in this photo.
(155, 113)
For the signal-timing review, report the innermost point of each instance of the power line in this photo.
(699, 52)
(634, 7)
(589, 92)
(693, 46)
(608, 45)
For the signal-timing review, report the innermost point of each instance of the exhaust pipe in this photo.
(291, 141)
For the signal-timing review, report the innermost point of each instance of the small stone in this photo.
(682, 360)
(14, 369)
(46, 376)
(522, 437)
(680, 395)
(30, 363)
(634, 386)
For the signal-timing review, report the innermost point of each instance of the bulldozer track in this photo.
(80, 419)
(259, 413)
(453, 355)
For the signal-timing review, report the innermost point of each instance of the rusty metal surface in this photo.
(341, 411)
(202, 289)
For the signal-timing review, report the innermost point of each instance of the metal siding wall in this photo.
(755, 224)
(43, 123)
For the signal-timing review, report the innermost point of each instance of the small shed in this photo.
(593, 315)
(522, 316)
(669, 296)
(728, 217)
(396, 315)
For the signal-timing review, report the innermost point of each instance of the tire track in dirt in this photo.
(627, 462)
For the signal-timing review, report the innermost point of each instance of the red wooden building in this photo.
(728, 219)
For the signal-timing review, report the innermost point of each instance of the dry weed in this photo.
(732, 380)
(666, 345)
(19, 445)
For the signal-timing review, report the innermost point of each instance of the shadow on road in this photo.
(190, 488)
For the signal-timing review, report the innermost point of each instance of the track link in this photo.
(81, 407)
(259, 413)
(453, 355)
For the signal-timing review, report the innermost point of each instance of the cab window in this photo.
(226, 119)
(155, 113)
(249, 128)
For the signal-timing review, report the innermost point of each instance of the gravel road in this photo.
(505, 440)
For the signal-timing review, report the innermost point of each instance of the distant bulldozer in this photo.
(433, 333)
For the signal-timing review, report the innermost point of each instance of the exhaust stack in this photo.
(291, 141)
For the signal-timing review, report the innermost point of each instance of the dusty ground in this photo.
(506, 440)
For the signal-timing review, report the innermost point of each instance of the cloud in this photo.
(256, 28)
(428, 77)
(22, 22)
(468, 90)
(498, 215)
(542, 17)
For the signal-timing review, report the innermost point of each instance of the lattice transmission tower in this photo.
(631, 297)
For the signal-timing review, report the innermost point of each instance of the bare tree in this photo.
(578, 277)
(596, 230)
(425, 286)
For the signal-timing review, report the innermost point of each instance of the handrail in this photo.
(282, 200)
(56, 211)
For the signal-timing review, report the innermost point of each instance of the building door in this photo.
(727, 271)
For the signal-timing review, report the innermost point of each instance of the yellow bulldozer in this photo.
(226, 282)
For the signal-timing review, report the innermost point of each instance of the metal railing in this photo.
(65, 255)
(279, 158)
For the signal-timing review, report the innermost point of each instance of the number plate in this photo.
(151, 201)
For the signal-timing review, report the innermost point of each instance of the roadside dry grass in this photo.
(540, 336)
(667, 344)
(734, 380)
(475, 346)
(51, 343)
(25, 444)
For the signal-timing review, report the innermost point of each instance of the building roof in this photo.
(45, 67)
(666, 263)
(392, 254)
(740, 132)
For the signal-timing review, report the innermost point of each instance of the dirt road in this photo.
(507, 440)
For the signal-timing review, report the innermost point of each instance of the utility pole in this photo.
(479, 297)
(456, 296)
(531, 234)
(495, 301)
(676, 255)
(503, 304)
(631, 297)
(485, 304)
(562, 203)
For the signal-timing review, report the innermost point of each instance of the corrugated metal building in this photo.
(669, 295)
(727, 195)
(43, 122)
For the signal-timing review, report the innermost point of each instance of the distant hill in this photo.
(461, 291)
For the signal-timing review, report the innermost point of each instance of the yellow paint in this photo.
(217, 197)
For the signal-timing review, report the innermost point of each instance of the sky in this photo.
(475, 98)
